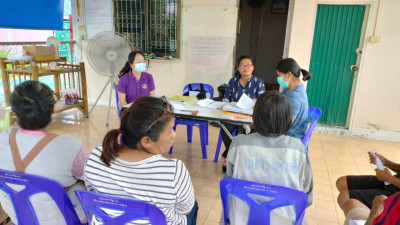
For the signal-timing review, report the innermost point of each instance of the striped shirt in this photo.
(254, 87)
(157, 180)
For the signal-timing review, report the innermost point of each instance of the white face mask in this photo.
(140, 67)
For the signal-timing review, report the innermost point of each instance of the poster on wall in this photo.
(209, 60)
(98, 17)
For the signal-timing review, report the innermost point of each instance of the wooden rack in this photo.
(69, 76)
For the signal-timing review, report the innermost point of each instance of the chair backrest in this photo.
(33, 185)
(127, 209)
(259, 213)
(206, 87)
(117, 99)
(313, 114)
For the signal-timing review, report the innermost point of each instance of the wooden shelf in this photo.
(60, 106)
(71, 76)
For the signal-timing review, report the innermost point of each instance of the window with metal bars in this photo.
(150, 25)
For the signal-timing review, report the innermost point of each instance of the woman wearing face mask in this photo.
(288, 72)
(134, 82)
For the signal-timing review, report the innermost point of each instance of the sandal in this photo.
(5, 221)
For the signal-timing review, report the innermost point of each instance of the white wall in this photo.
(376, 107)
(216, 18)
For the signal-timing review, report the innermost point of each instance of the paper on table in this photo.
(357, 222)
(245, 102)
(236, 109)
(193, 93)
(216, 105)
(205, 102)
(177, 105)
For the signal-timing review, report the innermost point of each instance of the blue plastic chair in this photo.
(117, 99)
(130, 209)
(202, 125)
(313, 114)
(259, 213)
(219, 143)
(33, 185)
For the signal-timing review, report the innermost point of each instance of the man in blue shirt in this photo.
(253, 88)
(247, 84)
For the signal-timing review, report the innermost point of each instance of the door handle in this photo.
(354, 68)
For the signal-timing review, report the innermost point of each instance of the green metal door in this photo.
(336, 39)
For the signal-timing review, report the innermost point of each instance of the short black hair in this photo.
(244, 57)
(272, 115)
(32, 102)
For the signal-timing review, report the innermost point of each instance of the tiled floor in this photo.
(331, 156)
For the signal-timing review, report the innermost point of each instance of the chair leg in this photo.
(189, 133)
(206, 125)
(203, 141)
(218, 146)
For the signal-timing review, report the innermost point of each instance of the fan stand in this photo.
(112, 82)
(107, 47)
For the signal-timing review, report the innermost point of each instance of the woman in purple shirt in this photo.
(134, 82)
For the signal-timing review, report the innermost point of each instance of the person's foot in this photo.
(223, 159)
(224, 168)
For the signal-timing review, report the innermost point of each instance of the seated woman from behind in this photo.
(269, 156)
(136, 169)
(62, 159)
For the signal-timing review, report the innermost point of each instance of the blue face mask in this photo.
(140, 67)
(282, 83)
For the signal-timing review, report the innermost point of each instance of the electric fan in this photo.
(107, 53)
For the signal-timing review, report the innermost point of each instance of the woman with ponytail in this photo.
(134, 82)
(288, 72)
(129, 162)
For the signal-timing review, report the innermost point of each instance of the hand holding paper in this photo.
(245, 102)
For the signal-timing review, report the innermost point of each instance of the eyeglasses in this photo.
(246, 65)
(167, 111)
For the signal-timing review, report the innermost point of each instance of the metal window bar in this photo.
(149, 25)
(129, 21)
(164, 25)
